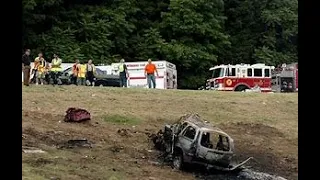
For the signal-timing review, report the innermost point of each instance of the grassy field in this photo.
(264, 126)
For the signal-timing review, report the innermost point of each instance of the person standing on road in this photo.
(123, 73)
(81, 80)
(36, 64)
(149, 71)
(26, 67)
(41, 70)
(75, 71)
(56, 69)
(90, 71)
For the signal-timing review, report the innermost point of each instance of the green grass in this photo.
(29, 173)
(64, 164)
(119, 119)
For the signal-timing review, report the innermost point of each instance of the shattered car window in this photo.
(182, 127)
(215, 141)
(190, 132)
(205, 141)
(223, 143)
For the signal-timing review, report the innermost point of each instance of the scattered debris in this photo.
(33, 151)
(123, 132)
(154, 163)
(116, 149)
(254, 89)
(26, 149)
(254, 175)
(76, 143)
(90, 157)
(77, 115)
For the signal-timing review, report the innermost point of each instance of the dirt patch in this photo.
(266, 145)
(253, 129)
(35, 138)
(76, 143)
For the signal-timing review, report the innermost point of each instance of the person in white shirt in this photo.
(90, 71)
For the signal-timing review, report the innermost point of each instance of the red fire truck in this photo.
(285, 78)
(240, 77)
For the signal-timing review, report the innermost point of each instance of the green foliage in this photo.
(193, 34)
(281, 19)
(262, 31)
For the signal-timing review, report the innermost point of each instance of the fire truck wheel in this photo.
(241, 88)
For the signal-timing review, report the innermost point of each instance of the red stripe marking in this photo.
(144, 77)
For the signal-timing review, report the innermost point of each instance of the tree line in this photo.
(193, 34)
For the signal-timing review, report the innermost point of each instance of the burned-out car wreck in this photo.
(193, 141)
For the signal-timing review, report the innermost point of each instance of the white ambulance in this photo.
(167, 78)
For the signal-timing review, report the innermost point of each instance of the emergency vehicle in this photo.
(240, 77)
(167, 78)
(285, 78)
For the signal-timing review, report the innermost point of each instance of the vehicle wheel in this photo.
(178, 161)
(241, 88)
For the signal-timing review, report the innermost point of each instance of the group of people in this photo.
(42, 71)
(82, 74)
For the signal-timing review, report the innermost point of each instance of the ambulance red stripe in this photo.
(142, 77)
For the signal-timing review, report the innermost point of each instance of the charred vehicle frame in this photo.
(193, 141)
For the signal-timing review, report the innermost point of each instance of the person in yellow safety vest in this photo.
(56, 69)
(36, 63)
(82, 74)
(56, 64)
(90, 72)
(123, 73)
(41, 71)
(75, 72)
